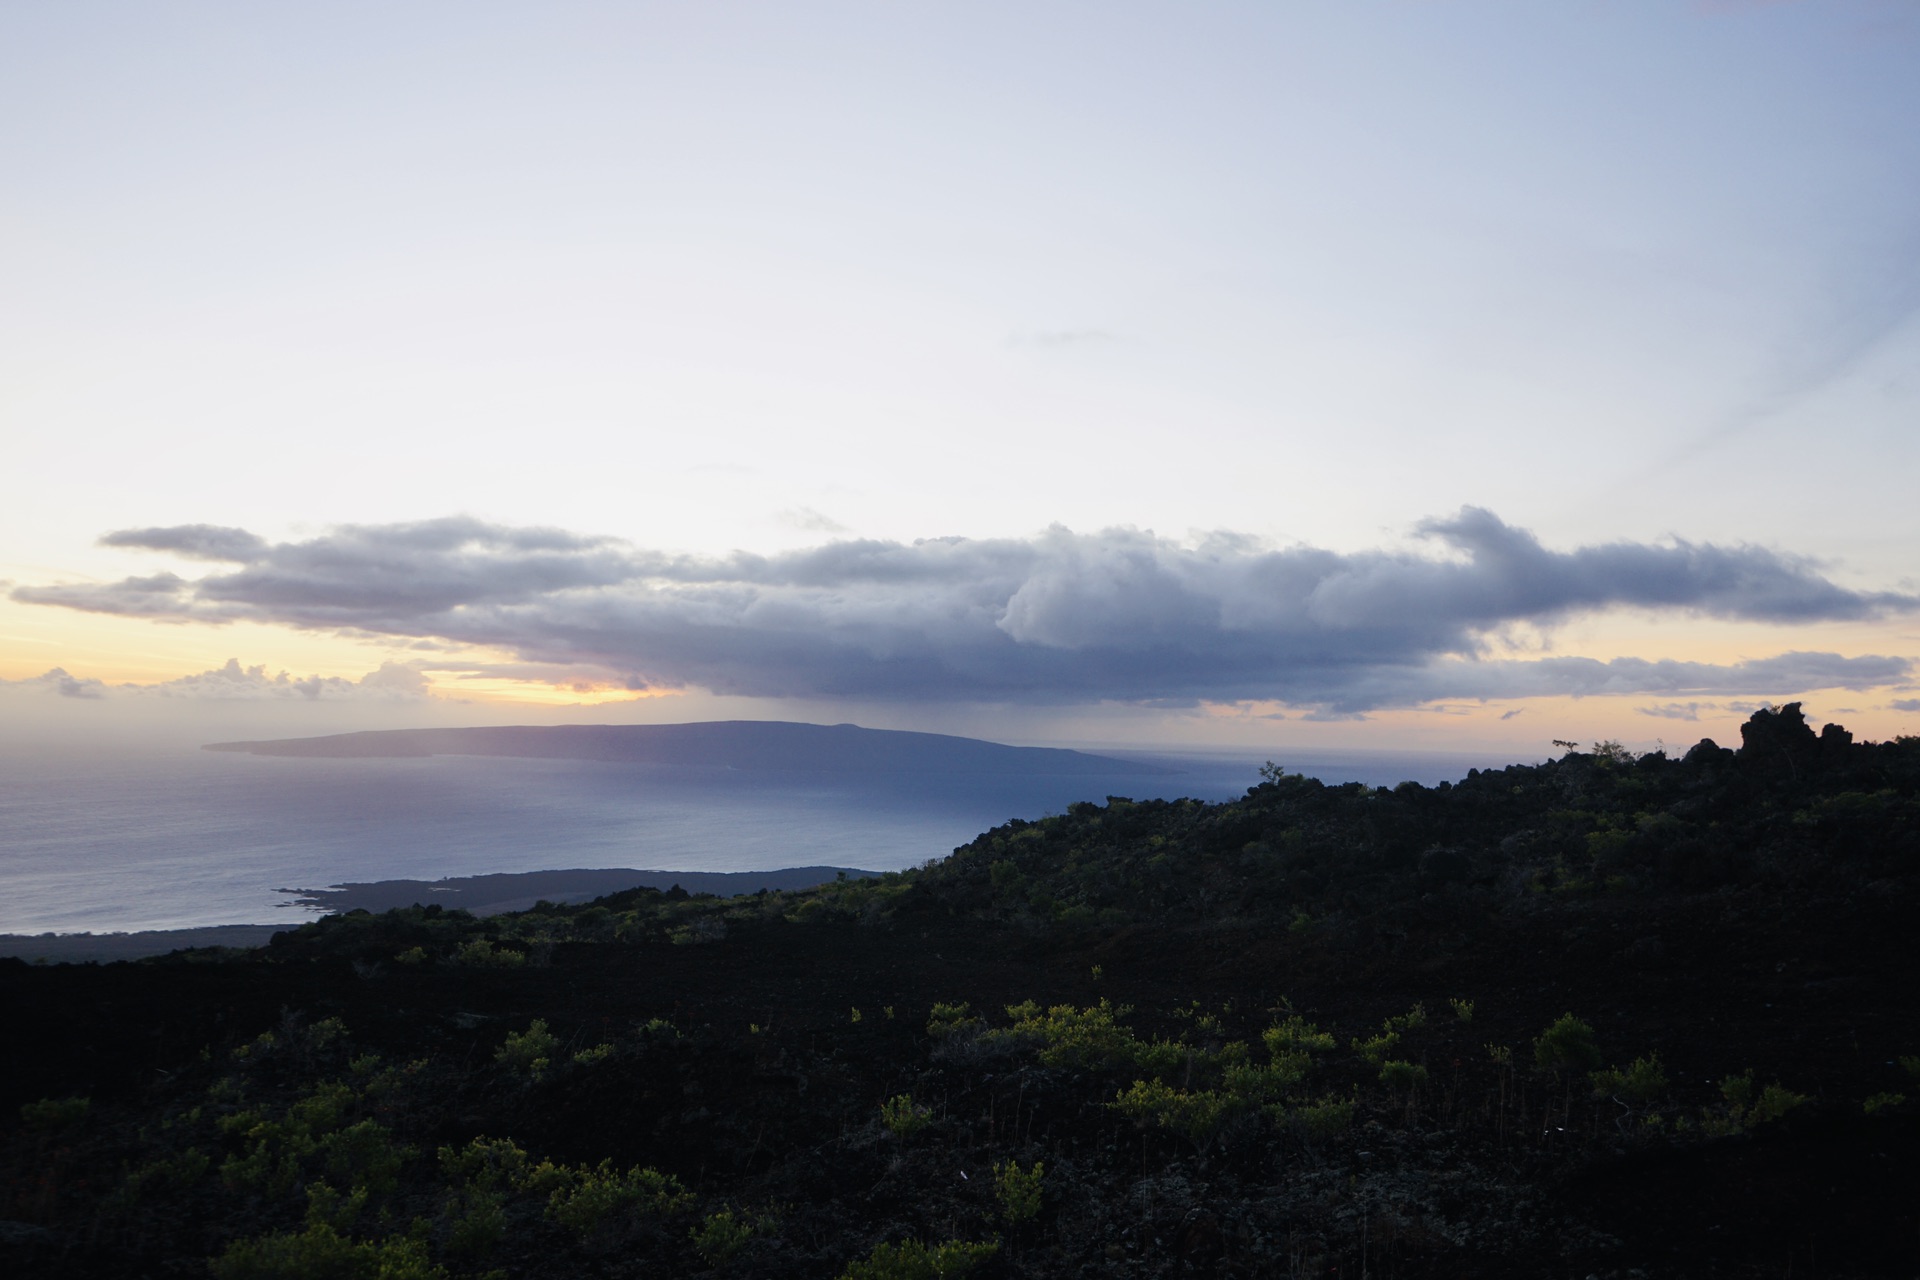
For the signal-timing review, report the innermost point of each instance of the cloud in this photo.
(195, 541)
(810, 521)
(1905, 704)
(1677, 710)
(392, 682)
(1057, 618)
(57, 681)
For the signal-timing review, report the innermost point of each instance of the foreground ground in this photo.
(1604, 1016)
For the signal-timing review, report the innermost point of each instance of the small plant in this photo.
(528, 1051)
(903, 1116)
(1749, 1106)
(1316, 1121)
(412, 955)
(1910, 1063)
(1501, 1055)
(1296, 1033)
(1374, 1049)
(1567, 1046)
(1883, 1102)
(1197, 1115)
(948, 1020)
(322, 1253)
(481, 954)
(598, 1195)
(720, 1237)
(598, 1053)
(911, 1260)
(1018, 1190)
(1638, 1084)
(52, 1115)
(1098, 972)
(1401, 1075)
(1462, 1009)
(856, 1013)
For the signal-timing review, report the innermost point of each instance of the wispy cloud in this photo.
(392, 682)
(1058, 618)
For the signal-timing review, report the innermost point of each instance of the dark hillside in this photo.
(1603, 1016)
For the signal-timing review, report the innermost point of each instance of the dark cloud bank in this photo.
(1059, 618)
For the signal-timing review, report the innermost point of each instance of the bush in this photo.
(911, 1260)
(948, 1020)
(1089, 1039)
(599, 1194)
(903, 1116)
(1197, 1115)
(1566, 1046)
(720, 1237)
(1296, 1033)
(1748, 1105)
(1638, 1084)
(1317, 1121)
(1374, 1049)
(528, 1051)
(321, 1253)
(1403, 1076)
(51, 1115)
(1018, 1190)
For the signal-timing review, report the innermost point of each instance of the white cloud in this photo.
(1060, 618)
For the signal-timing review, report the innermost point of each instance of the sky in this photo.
(1261, 376)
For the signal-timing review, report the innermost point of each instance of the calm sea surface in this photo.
(172, 839)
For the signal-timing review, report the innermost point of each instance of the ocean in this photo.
(128, 840)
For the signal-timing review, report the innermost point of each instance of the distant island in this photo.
(766, 745)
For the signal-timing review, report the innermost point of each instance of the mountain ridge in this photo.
(768, 745)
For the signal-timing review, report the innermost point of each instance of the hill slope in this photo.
(1602, 1016)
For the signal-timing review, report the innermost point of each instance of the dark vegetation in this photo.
(1602, 1016)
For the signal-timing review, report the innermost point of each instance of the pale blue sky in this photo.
(706, 277)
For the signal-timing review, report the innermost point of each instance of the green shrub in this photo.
(1197, 1115)
(1401, 1075)
(1749, 1106)
(949, 1020)
(484, 1162)
(1566, 1046)
(598, 1053)
(365, 1155)
(598, 1195)
(903, 1116)
(52, 1115)
(1089, 1039)
(1638, 1084)
(1883, 1102)
(1374, 1049)
(720, 1237)
(1317, 1121)
(1275, 1079)
(1296, 1033)
(1462, 1009)
(1018, 1190)
(481, 954)
(528, 1051)
(911, 1260)
(322, 1253)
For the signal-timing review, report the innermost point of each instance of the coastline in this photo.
(482, 895)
